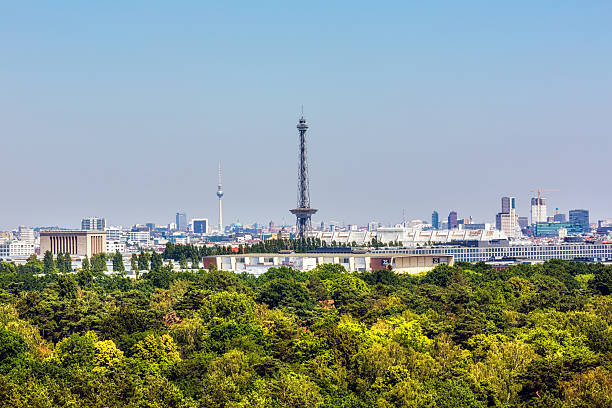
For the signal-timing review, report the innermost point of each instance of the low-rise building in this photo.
(139, 237)
(115, 234)
(84, 243)
(596, 252)
(16, 249)
(113, 246)
(353, 262)
(414, 237)
(551, 229)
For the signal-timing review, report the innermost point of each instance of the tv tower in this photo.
(220, 195)
(303, 212)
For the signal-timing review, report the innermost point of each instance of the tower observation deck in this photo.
(303, 212)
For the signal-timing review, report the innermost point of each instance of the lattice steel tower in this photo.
(303, 212)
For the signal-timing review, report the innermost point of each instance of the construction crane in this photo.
(540, 191)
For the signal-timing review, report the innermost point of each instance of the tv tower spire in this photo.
(220, 195)
(303, 212)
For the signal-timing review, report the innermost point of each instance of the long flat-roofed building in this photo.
(257, 264)
(596, 252)
(83, 243)
(407, 236)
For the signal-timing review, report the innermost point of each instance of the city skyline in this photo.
(464, 105)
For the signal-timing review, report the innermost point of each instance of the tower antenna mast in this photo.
(303, 212)
(220, 195)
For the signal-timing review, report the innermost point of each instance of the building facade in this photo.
(556, 229)
(508, 203)
(26, 234)
(507, 220)
(452, 220)
(507, 223)
(181, 221)
(257, 264)
(138, 237)
(16, 249)
(113, 246)
(115, 234)
(538, 210)
(93, 224)
(581, 251)
(407, 236)
(435, 220)
(199, 225)
(580, 218)
(83, 243)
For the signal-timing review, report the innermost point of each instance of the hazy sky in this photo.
(122, 110)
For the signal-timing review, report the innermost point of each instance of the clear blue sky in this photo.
(122, 110)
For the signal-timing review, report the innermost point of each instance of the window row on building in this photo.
(529, 252)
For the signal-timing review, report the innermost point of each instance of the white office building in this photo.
(26, 234)
(115, 234)
(16, 249)
(114, 246)
(138, 237)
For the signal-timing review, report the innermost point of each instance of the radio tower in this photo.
(220, 195)
(303, 212)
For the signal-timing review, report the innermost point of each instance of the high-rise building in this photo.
(523, 222)
(181, 221)
(580, 218)
(507, 220)
(508, 203)
(507, 223)
(200, 225)
(538, 210)
(435, 220)
(452, 220)
(93, 224)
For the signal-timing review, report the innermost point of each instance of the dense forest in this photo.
(462, 336)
